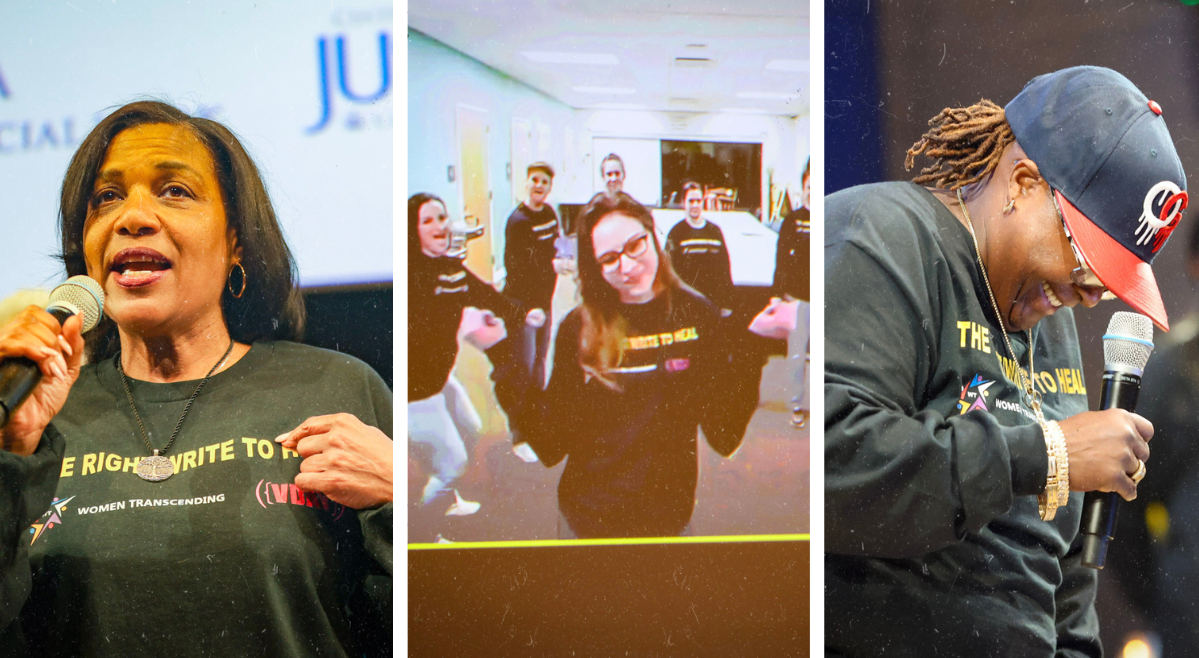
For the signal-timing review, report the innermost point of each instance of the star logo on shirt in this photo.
(974, 395)
(51, 518)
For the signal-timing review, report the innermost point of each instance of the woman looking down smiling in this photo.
(169, 214)
(958, 441)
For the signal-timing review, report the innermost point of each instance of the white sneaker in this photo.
(433, 488)
(462, 507)
(525, 452)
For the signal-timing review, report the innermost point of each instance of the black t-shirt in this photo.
(701, 259)
(932, 459)
(631, 470)
(529, 256)
(438, 290)
(792, 261)
(226, 557)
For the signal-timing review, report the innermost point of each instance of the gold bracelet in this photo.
(1063, 463)
(1057, 482)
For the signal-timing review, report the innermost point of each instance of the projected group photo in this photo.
(608, 278)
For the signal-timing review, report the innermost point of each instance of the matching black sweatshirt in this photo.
(932, 458)
(631, 466)
(701, 259)
(438, 290)
(529, 256)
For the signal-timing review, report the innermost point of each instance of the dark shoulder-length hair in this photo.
(414, 204)
(271, 306)
(602, 334)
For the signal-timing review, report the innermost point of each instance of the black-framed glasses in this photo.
(1082, 276)
(635, 248)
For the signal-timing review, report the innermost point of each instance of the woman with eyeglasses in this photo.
(958, 441)
(642, 364)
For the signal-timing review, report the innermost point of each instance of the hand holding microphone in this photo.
(1107, 449)
(41, 352)
(1104, 449)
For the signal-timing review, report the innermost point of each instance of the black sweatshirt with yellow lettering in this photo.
(631, 467)
(529, 256)
(933, 543)
(227, 557)
(701, 259)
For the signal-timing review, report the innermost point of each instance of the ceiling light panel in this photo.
(611, 91)
(767, 96)
(571, 59)
(788, 65)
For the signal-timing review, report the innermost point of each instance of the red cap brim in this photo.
(1129, 277)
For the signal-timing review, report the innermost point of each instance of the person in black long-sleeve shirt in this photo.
(698, 252)
(440, 289)
(638, 368)
(792, 277)
(792, 260)
(957, 437)
(529, 258)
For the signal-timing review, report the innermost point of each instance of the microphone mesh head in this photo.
(83, 293)
(1120, 343)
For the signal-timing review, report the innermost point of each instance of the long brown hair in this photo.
(414, 205)
(271, 306)
(603, 333)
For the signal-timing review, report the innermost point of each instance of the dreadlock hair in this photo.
(965, 143)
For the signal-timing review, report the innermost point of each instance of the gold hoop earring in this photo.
(1011, 205)
(229, 283)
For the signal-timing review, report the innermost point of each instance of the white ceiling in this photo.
(739, 38)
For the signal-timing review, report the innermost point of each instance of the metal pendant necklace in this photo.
(157, 467)
(1034, 396)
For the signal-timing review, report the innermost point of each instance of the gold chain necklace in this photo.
(1034, 397)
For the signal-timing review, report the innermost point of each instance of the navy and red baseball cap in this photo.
(1103, 147)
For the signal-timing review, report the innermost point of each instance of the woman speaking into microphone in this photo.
(957, 436)
(156, 507)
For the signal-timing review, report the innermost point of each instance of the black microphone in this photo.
(79, 295)
(1126, 348)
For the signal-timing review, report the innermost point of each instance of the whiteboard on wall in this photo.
(642, 166)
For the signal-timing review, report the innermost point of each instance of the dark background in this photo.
(354, 320)
(712, 164)
(891, 66)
